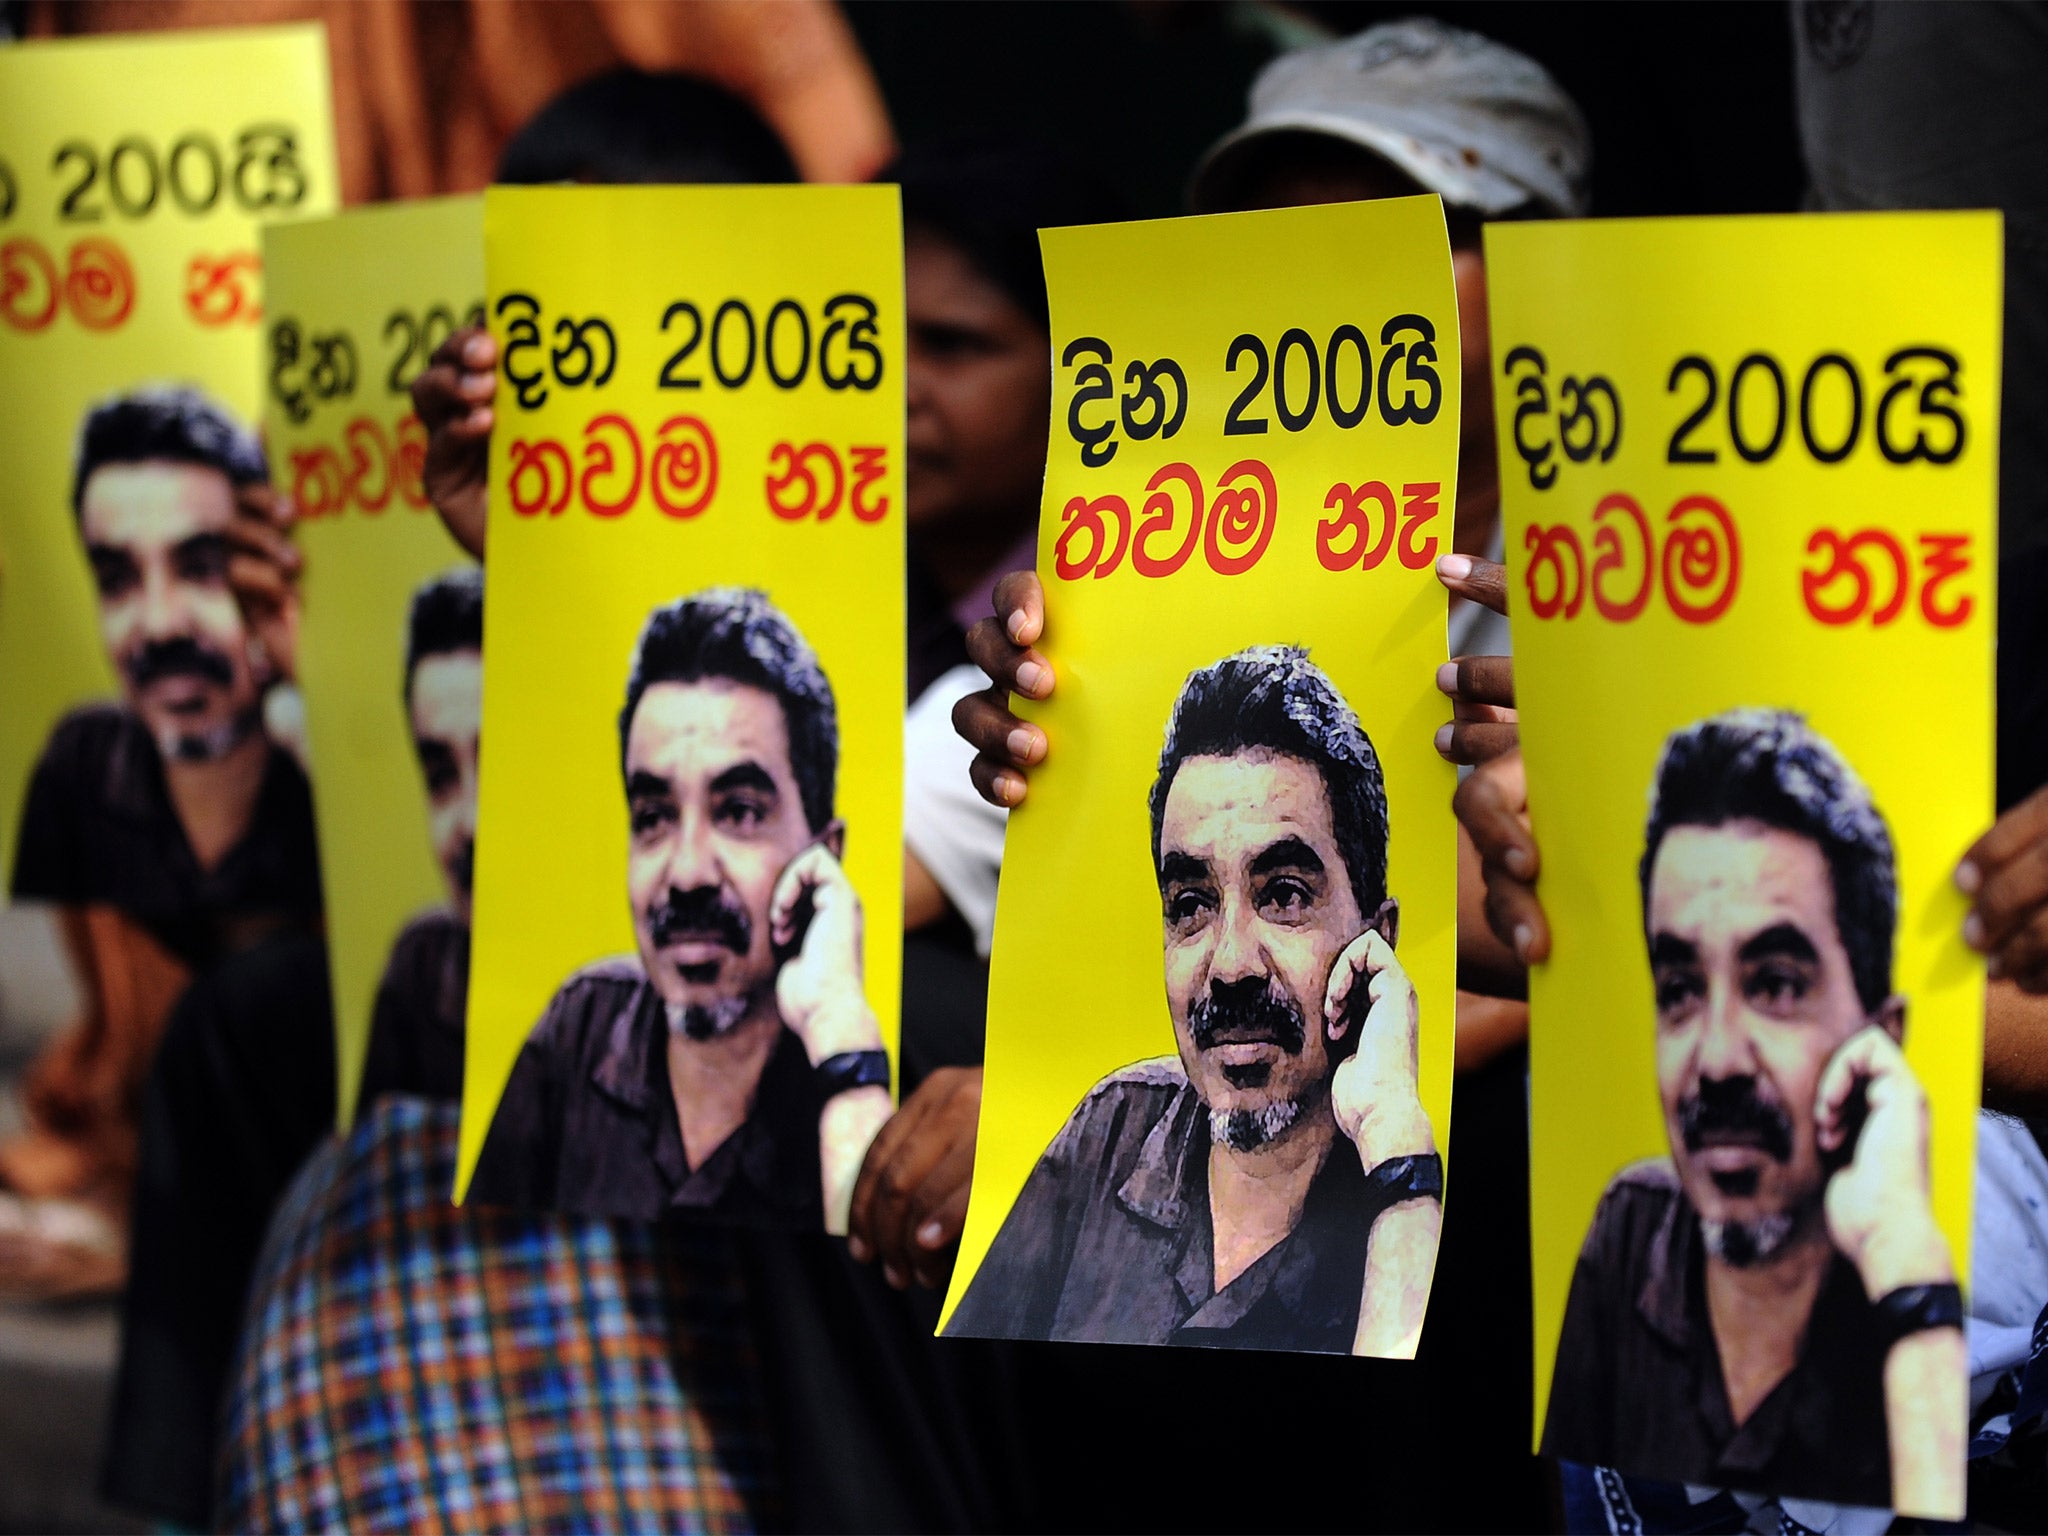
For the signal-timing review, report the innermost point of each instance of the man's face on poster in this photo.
(1754, 995)
(1258, 905)
(446, 707)
(716, 817)
(156, 536)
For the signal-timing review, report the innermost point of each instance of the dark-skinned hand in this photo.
(911, 1199)
(1481, 688)
(2005, 875)
(1493, 807)
(452, 397)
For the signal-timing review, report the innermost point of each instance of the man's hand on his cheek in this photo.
(263, 571)
(818, 990)
(1375, 1093)
(452, 396)
(911, 1201)
(1482, 694)
(1879, 1210)
(1493, 806)
(1001, 646)
(2005, 874)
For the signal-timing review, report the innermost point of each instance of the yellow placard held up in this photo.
(1749, 470)
(134, 174)
(689, 872)
(1252, 471)
(391, 640)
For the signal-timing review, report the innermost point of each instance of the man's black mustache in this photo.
(704, 912)
(179, 657)
(1734, 1108)
(462, 867)
(1249, 1011)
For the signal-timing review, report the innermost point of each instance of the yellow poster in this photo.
(689, 862)
(391, 636)
(1750, 470)
(1218, 1079)
(135, 765)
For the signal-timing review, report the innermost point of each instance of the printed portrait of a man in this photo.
(416, 1026)
(1273, 1183)
(732, 1066)
(173, 803)
(1772, 1306)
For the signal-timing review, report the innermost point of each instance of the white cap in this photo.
(1479, 124)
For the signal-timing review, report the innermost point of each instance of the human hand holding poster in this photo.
(689, 875)
(1749, 470)
(390, 646)
(1250, 478)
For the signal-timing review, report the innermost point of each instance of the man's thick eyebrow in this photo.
(1183, 866)
(197, 543)
(1669, 949)
(1779, 941)
(94, 550)
(747, 775)
(1287, 853)
(640, 784)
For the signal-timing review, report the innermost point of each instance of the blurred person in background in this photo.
(428, 95)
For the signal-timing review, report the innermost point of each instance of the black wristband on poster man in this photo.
(852, 1069)
(1915, 1309)
(1408, 1178)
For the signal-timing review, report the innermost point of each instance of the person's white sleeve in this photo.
(955, 834)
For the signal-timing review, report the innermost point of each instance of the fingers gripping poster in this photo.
(1219, 1044)
(689, 864)
(390, 645)
(134, 174)
(1751, 537)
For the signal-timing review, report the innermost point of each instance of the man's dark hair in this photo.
(735, 633)
(1273, 696)
(989, 198)
(173, 424)
(1770, 766)
(447, 615)
(631, 126)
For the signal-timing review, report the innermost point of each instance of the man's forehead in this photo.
(447, 696)
(155, 502)
(703, 727)
(1737, 879)
(1222, 808)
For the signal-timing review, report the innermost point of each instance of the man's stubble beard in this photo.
(705, 1021)
(1247, 1130)
(1746, 1244)
(1261, 1010)
(210, 746)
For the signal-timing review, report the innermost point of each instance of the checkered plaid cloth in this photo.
(412, 1365)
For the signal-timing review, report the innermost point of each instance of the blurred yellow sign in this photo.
(134, 176)
(390, 639)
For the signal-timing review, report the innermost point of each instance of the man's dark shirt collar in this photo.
(98, 825)
(1112, 1241)
(1170, 1188)
(769, 1164)
(1639, 1307)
